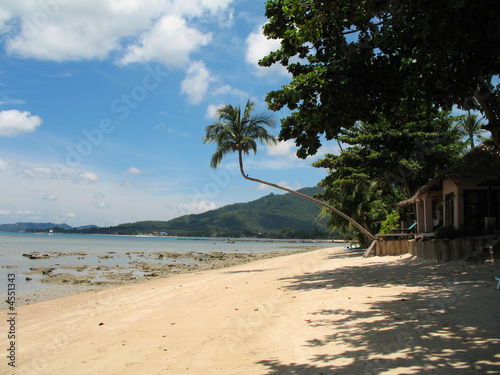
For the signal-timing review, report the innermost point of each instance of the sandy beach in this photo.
(319, 312)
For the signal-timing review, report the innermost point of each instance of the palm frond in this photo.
(234, 131)
(219, 154)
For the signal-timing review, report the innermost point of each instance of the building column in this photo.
(428, 215)
(419, 209)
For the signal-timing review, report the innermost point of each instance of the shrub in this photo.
(391, 222)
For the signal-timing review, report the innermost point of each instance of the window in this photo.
(479, 204)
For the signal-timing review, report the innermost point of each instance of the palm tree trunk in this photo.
(370, 236)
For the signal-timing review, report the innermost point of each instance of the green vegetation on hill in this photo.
(31, 227)
(278, 216)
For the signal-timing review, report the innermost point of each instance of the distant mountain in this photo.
(286, 215)
(22, 227)
(272, 213)
(87, 227)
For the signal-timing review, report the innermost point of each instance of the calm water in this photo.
(96, 250)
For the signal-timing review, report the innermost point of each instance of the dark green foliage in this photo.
(384, 163)
(354, 60)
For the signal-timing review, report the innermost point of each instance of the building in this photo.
(466, 195)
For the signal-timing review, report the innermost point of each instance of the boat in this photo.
(51, 232)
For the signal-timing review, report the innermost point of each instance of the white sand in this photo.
(321, 312)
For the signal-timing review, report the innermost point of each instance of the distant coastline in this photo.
(273, 216)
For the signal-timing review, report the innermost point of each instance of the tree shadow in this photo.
(450, 327)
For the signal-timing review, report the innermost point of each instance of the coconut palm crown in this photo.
(234, 132)
(472, 125)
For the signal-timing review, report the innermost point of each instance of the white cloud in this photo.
(286, 184)
(285, 149)
(134, 170)
(102, 205)
(196, 8)
(328, 148)
(226, 19)
(196, 83)
(129, 184)
(5, 15)
(212, 111)
(14, 122)
(8, 101)
(59, 30)
(73, 30)
(88, 178)
(3, 212)
(4, 165)
(226, 89)
(176, 132)
(39, 172)
(56, 172)
(258, 46)
(50, 197)
(170, 41)
(70, 215)
(25, 212)
(199, 207)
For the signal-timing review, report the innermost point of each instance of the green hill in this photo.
(286, 215)
(269, 214)
(23, 227)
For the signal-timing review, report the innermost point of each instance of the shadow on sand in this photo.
(451, 327)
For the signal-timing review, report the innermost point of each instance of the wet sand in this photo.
(121, 269)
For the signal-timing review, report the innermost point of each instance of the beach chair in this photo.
(411, 228)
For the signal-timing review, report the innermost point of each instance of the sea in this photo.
(63, 251)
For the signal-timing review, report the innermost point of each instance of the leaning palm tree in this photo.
(234, 132)
(472, 125)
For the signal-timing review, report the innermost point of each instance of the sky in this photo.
(104, 104)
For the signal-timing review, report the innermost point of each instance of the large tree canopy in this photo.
(383, 163)
(362, 60)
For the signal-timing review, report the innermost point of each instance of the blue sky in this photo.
(103, 105)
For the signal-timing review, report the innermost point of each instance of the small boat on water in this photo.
(51, 232)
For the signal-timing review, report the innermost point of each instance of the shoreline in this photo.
(241, 239)
(324, 311)
(118, 269)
